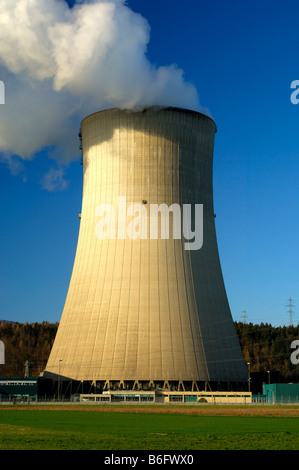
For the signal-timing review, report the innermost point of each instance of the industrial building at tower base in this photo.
(147, 312)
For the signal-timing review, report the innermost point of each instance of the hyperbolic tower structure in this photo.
(146, 310)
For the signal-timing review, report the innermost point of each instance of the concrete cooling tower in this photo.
(146, 304)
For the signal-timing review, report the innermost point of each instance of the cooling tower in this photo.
(143, 305)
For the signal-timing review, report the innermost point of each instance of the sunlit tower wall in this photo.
(147, 312)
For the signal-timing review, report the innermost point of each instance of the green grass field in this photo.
(99, 430)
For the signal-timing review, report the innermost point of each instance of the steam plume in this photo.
(60, 64)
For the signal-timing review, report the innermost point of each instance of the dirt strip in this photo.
(203, 410)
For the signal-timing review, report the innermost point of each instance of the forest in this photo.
(23, 342)
(265, 347)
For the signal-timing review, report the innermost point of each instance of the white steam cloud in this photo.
(59, 64)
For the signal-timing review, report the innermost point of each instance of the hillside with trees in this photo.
(26, 342)
(265, 347)
(268, 348)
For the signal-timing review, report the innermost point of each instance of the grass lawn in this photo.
(97, 430)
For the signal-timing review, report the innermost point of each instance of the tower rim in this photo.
(142, 109)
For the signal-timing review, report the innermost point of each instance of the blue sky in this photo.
(242, 58)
